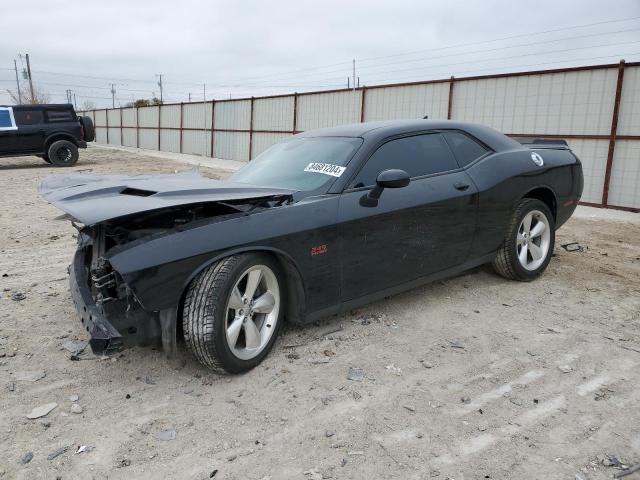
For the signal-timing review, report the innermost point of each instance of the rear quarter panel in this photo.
(506, 177)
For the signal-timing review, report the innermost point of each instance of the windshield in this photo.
(301, 164)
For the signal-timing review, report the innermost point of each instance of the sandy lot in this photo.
(470, 378)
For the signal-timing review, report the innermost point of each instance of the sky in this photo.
(230, 49)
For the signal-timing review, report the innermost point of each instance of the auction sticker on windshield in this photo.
(326, 168)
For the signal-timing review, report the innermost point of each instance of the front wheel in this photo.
(233, 311)
(528, 246)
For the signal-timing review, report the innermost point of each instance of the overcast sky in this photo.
(244, 48)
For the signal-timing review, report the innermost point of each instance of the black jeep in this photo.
(52, 132)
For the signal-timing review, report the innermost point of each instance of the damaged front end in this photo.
(118, 214)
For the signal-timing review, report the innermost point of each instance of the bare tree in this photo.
(87, 105)
(39, 95)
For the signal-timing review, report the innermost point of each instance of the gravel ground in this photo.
(469, 378)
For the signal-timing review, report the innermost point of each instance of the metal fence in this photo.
(595, 108)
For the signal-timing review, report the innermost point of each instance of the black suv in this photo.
(52, 132)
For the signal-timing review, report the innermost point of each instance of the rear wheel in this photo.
(529, 243)
(233, 312)
(63, 153)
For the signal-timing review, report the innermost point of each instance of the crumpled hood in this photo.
(92, 199)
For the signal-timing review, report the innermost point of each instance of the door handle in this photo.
(461, 186)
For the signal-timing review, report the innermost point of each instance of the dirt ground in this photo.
(475, 377)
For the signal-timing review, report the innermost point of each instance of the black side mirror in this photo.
(386, 179)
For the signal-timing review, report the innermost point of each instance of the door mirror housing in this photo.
(393, 178)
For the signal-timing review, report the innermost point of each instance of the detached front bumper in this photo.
(105, 338)
(116, 323)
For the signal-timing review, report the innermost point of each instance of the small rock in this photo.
(565, 368)
(482, 427)
(75, 408)
(426, 364)
(166, 435)
(74, 398)
(127, 396)
(26, 458)
(456, 344)
(57, 453)
(83, 449)
(33, 376)
(393, 369)
(411, 408)
(231, 458)
(75, 347)
(42, 410)
(465, 400)
(515, 401)
(329, 433)
(125, 462)
(355, 374)
(419, 435)
(18, 296)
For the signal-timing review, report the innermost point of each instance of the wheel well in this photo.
(295, 292)
(55, 138)
(546, 196)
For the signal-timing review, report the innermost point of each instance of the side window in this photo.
(417, 155)
(28, 117)
(60, 115)
(464, 147)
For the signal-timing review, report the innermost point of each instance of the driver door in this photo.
(423, 228)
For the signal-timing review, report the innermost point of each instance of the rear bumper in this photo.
(105, 338)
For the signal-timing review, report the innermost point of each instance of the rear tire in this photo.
(63, 153)
(228, 324)
(528, 245)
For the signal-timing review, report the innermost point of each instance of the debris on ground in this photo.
(57, 453)
(42, 410)
(411, 408)
(573, 247)
(166, 435)
(125, 462)
(565, 368)
(18, 296)
(83, 449)
(74, 398)
(32, 376)
(393, 369)
(75, 347)
(26, 458)
(355, 374)
(456, 344)
(426, 364)
(627, 471)
(75, 408)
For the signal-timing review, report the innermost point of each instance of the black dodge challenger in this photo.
(316, 225)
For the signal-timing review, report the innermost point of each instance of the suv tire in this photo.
(63, 153)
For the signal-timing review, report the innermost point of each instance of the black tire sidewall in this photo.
(89, 130)
(226, 357)
(55, 146)
(521, 212)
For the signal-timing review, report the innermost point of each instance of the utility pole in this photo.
(75, 103)
(204, 92)
(15, 66)
(113, 95)
(355, 99)
(189, 97)
(160, 85)
(33, 99)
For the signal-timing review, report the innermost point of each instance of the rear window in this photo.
(60, 115)
(465, 149)
(28, 117)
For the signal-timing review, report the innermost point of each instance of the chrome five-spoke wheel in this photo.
(252, 311)
(533, 240)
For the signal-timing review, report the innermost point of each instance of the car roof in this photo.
(374, 131)
(41, 106)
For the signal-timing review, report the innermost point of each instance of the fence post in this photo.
(137, 127)
(612, 135)
(213, 119)
(159, 124)
(106, 120)
(181, 109)
(364, 91)
(250, 128)
(121, 142)
(450, 105)
(295, 113)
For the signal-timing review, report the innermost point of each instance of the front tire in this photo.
(233, 312)
(528, 246)
(63, 153)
